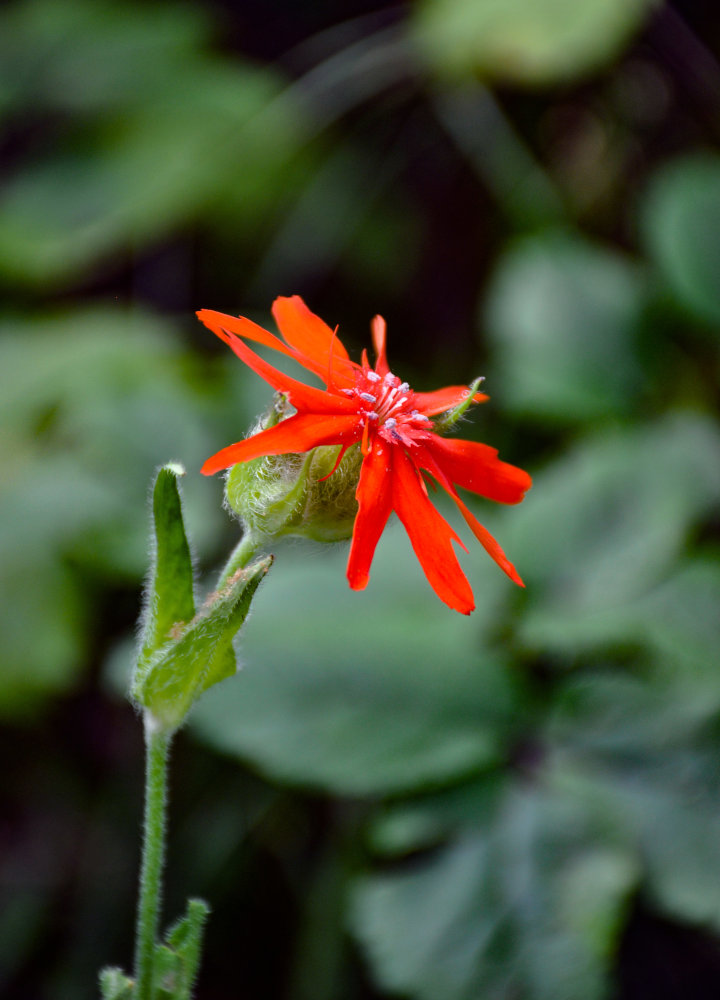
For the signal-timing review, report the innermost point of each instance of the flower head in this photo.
(399, 442)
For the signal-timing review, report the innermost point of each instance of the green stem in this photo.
(240, 556)
(157, 744)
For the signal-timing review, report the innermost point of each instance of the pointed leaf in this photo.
(188, 665)
(170, 599)
(451, 417)
(176, 962)
(185, 938)
(167, 974)
(115, 985)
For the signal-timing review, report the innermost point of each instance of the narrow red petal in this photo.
(430, 535)
(312, 340)
(378, 329)
(221, 325)
(444, 399)
(374, 497)
(487, 541)
(298, 433)
(476, 467)
(303, 397)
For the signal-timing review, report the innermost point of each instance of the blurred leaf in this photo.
(679, 618)
(680, 222)
(676, 620)
(562, 313)
(527, 903)
(88, 401)
(44, 622)
(125, 172)
(87, 55)
(364, 692)
(530, 43)
(603, 525)
(115, 985)
(653, 747)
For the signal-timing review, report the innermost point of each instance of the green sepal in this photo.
(177, 961)
(169, 594)
(451, 417)
(200, 654)
(115, 985)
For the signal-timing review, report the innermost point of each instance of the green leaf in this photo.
(653, 748)
(88, 399)
(526, 900)
(562, 314)
(366, 692)
(115, 985)
(176, 962)
(132, 160)
(169, 683)
(604, 525)
(448, 420)
(94, 55)
(530, 43)
(169, 597)
(680, 223)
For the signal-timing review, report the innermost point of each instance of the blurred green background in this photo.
(390, 799)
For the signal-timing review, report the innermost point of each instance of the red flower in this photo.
(399, 443)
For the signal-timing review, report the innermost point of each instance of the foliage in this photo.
(487, 806)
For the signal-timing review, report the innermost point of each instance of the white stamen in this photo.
(368, 397)
(390, 423)
(403, 387)
(372, 376)
(348, 392)
(371, 414)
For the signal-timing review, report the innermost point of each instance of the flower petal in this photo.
(444, 399)
(487, 541)
(374, 495)
(476, 467)
(222, 325)
(312, 340)
(482, 534)
(378, 329)
(303, 397)
(430, 535)
(298, 433)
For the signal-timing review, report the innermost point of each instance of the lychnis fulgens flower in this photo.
(393, 427)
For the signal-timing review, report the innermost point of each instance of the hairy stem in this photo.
(157, 744)
(247, 547)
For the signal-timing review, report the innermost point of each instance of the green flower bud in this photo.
(296, 494)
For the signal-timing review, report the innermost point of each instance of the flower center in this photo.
(388, 407)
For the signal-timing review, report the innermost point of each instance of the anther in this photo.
(368, 397)
(390, 423)
(403, 387)
(372, 376)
